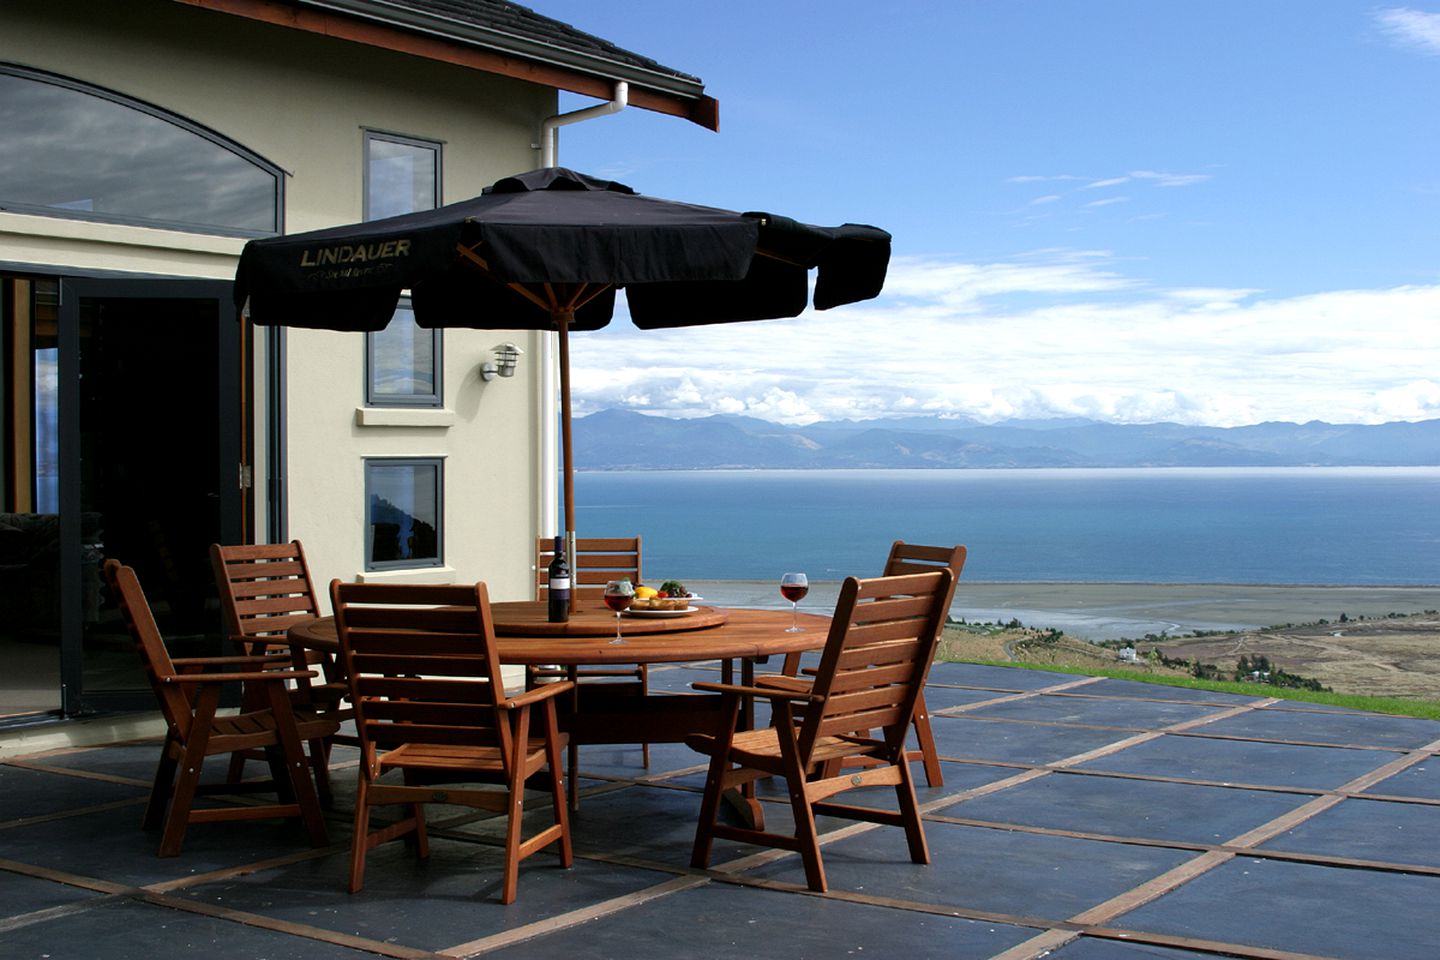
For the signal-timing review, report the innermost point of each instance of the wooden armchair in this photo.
(430, 702)
(915, 558)
(189, 693)
(882, 639)
(264, 590)
(598, 560)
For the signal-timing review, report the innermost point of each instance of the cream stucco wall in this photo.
(303, 102)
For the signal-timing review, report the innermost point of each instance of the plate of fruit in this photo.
(670, 599)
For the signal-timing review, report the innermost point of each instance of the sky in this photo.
(1214, 212)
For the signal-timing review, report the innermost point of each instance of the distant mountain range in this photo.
(620, 440)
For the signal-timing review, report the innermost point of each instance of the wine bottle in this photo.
(558, 575)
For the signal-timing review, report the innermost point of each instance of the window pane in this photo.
(403, 513)
(69, 152)
(403, 361)
(401, 178)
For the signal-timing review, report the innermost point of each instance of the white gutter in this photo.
(549, 518)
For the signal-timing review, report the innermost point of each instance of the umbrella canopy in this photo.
(546, 250)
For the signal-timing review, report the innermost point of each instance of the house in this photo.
(144, 142)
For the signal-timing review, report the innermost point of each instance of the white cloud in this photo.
(1032, 178)
(1417, 29)
(1055, 333)
(1048, 198)
(1170, 179)
(1108, 182)
(1107, 201)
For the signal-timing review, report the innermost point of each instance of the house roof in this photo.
(495, 36)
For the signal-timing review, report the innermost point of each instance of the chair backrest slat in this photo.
(430, 712)
(422, 664)
(882, 638)
(850, 680)
(877, 718)
(400, 619)
(388, 736)
(430, 663)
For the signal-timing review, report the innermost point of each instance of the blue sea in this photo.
(1351, 526)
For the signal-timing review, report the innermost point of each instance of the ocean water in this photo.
(1354, 526)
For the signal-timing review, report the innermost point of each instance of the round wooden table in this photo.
(524, 636)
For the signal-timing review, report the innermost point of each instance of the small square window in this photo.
(403, 363)
(404, 513)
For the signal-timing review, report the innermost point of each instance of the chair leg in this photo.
(709, 809)
(320, 766)
(644, 671)
(297, 771)
(163, 787)
(715, 781)
(557, 787)
(806, 836)
(931, 756)
(420, 835)
(572, 749)
(572, 774)
(360, 838)
(910, 814)
(176, 821)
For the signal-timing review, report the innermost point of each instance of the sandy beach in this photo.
(1111, 611)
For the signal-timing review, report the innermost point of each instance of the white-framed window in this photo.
(404, 512)
(403, 362)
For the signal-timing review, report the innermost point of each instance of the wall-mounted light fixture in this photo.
(507, 355)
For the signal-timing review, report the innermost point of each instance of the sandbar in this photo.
(1113, 611)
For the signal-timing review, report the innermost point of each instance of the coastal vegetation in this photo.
(1245, 669)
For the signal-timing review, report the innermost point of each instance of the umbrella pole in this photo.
(567, 449)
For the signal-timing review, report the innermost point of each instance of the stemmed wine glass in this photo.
(618, 596)
(793, 587)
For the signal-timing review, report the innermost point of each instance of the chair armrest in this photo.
(781, 681)
(770, 693)
(536, 694)
(244, 676)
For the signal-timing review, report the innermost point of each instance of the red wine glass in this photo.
(793, 587)
(618, 596)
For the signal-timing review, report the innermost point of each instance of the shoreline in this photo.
(1093, 610)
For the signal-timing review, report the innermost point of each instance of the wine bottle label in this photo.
(560, 583)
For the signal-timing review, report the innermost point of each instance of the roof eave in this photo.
(376, 23)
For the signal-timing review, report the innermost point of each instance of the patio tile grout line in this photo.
(159, 895)
(565, 921)
(957, 713)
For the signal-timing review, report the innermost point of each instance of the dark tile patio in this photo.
(1081, 819)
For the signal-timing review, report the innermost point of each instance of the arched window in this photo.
(73, 150)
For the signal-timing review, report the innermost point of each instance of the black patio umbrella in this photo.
(546, 250)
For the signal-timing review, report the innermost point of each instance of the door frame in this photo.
(232, 374)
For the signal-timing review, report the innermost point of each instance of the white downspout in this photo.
(550, 126)
(549, 519)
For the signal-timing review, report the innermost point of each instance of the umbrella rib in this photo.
(469, 254)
